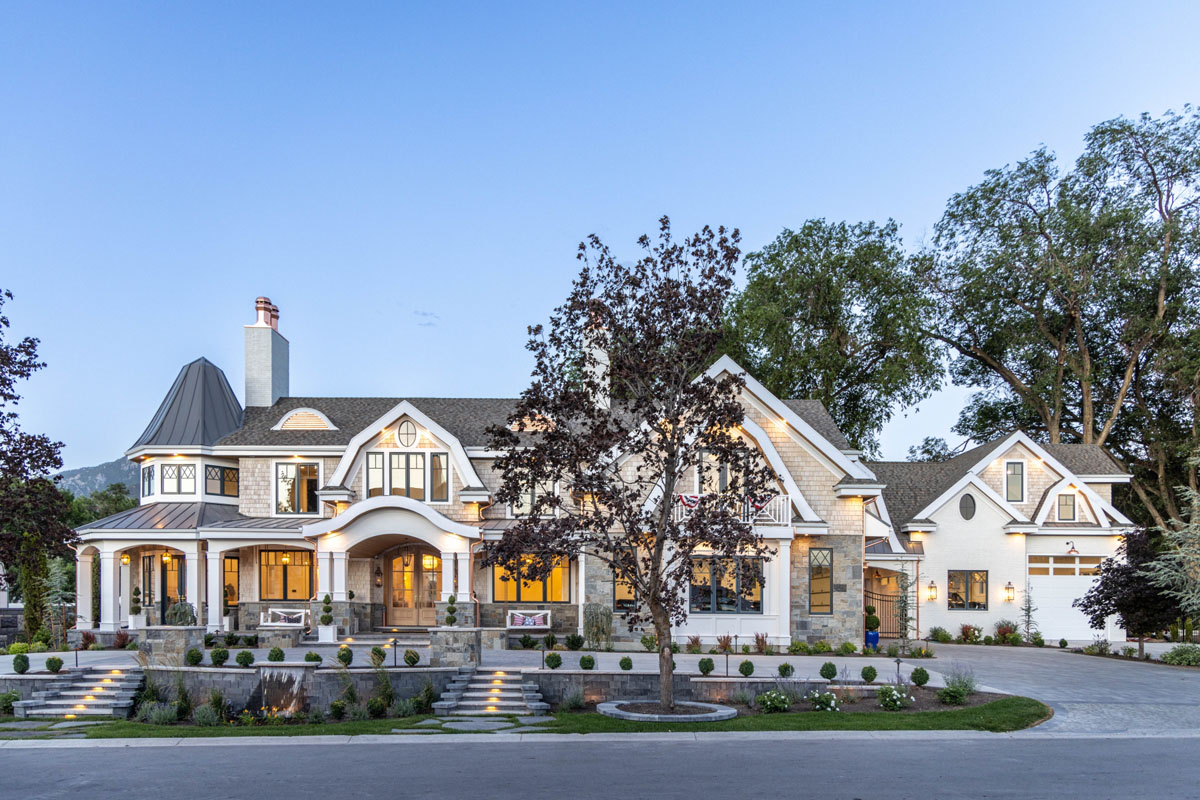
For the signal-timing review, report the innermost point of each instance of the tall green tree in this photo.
(832, 312)
(1069, 296)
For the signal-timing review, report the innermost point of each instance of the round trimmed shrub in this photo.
(276, 654)
(327, 619)
(245, 658)
(626, 663)
(553, 660)
(218, 656)
(378, 654)
(988, 640)
(920, 676)
(376, 708)
(1062, 643)
(193, 657)
(412, 658)
(312, 657)
(574, 641)
(20, 663)
(337, 709)
(828, 670)
(746, 668)
(786, 670)
(868, 673)
(54, 663)
(587, 662)
(345, 655)
(706, 666)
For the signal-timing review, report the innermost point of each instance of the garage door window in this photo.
(967, 590)
(1064, 566)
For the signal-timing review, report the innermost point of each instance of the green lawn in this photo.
(138, 730)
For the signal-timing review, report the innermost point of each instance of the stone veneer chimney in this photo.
(266, 356)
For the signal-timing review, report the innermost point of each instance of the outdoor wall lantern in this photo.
(378, 576)
(166, 558)
(285, 559)
(932, 591)
(1071, 551)
(125, 559)
(1010, 592)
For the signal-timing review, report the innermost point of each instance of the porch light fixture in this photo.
(931, 592)
(1010, 592)
(1071, 551)
(125, 559)
(166, 558)
(285, 559)
(406, 558)
(378, 576)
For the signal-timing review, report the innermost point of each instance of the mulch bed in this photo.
(654, 708)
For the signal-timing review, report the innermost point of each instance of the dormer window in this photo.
(179, 479)
(1066, 508)
(408, 472)
(1014, 481)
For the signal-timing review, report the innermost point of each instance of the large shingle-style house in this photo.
(383, 503)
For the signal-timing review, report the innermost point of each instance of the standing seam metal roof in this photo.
(199, 409)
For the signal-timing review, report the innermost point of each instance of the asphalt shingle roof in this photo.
(199, 409)
(814, 413)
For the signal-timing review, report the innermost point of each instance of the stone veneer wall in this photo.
(10, 625)
(845, 624)
(26, 685)
(564, 617)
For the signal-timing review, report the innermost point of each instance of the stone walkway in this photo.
(44, 729)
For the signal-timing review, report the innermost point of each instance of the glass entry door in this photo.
(416, 586)
(172, 582)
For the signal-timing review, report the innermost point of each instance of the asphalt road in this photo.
(877, 768)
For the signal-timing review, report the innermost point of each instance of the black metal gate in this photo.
(885, 609)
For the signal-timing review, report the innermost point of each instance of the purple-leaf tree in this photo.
(620, 411)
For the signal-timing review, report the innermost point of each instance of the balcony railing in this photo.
(772, 510)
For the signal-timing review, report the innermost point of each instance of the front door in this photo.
(171, 589)
(416, 586)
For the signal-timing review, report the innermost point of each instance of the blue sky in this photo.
(408, 182)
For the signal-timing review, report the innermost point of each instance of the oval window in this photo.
(406, 434)
(966, 506)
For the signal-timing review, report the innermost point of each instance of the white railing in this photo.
(773, 510)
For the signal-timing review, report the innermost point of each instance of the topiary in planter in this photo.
(135, 601)
(872, 622)
(626, 663)
(412, 658)
(746, 668)
(326, 610)
(218, 656)
(868, 674)
(706, 666)
(587, 662)
(245, 658)
(377, 656)
(54, 664)
(276, 654)
(451, 610)
(828, 670)
(20, 663)
(193, 657)
(553, 660)
(920, 676)
(345, 655)
(786, 670)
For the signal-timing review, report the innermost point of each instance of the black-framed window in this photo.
(408, 475)
(967, 590)
(232, 576)
(439, 478)
(1014, 481)
(820, 580)
(221, 481)
(147, 581)
(296, 488)
(524, 506)
(374, 474)
(712, 476)
(507, 587)
(178, 478)
(147, 481)
(1066, 507)
(284, 575)
(726, 585)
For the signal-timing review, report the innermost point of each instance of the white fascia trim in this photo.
(858, 491)
(389, 501)
(483, 452)
(911, 528)
(328, 423)
(401, 409)
(158, 450)
(971, 479)
(147, 534)
(776, 461)
(302, 450)
(1123, 478)
(1097, 503)
(1115, 530)
(819, 526)
(259, 535)
(853, 468)
(335, 494)
(474, 497)
(1020, 527)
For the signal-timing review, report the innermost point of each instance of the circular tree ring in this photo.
(705, 712)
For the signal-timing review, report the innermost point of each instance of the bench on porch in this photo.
(528, 620)
(283, 618)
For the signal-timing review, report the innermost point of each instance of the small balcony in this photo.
(768, 510)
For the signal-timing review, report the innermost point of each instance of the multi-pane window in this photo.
(285, 574)
(439, 478)
(179, 478)
(726, 585)
(147, 481)
(967, 590)
(507, 587)
(1014, 481)
(296, 489)
(231, 580)
(374, 474)
(524, 506)
(408, 475)
(1066, 507)
(222, 481)
(713, 476)
(820, 580)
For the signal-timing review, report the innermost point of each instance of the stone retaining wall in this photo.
(26, 685)
(10, 625)
(600, 686)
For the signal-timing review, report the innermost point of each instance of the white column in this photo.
(338, 577)
(108, 592)
(124, 585)
(447, 576)
(192, 581)
(83, 591)
(216, 591)
(581, 568)
(324, 575)
(784, 578)
(464, 579)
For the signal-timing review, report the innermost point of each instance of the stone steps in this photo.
(93, 694)
(473, 693)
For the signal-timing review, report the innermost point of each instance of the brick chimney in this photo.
(266, 356)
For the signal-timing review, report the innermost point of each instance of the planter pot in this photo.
(137, 621)
(227, 623)
(873, 639)
(327, 634)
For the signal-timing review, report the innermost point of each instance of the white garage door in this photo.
(1056, 582)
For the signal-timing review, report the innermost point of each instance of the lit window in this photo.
(1066, 507)
(726, 585)
(1014, 481)
(231, 581)
(439, 482)
(820, 580)
(296, 489)
(179, 479)
(408, 475)
(967, 590)
(507, 587)
(285, 574)
(374, 474)
(221, 481)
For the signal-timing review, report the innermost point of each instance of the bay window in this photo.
(221, 481)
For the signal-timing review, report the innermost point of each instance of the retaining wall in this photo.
(598, 686)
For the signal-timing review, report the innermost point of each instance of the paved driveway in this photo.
(1088, 694)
